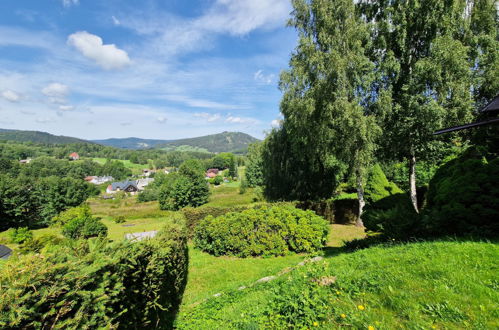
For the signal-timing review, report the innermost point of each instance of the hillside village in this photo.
(368, 201)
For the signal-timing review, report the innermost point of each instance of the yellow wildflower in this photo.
(370, 327)
(343, 316)
(361, 307)
(316, 324)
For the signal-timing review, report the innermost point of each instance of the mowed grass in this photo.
(228, 196)
(427, 285)
(209, 275)
(136, 168)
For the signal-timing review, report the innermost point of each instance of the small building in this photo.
(25, 161)
(212, 172)
(5, 252)
(126, 186)
(74, 156)
(147, 172)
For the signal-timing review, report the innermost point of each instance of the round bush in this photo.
(463, 197)
(267, 231)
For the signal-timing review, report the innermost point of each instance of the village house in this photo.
(74, 156)
(147, 172)
(126, 186)
(211, 173)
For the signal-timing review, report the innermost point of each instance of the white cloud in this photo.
(115, 20)
(239, 120)
(172, 35)
(109, 57)
(44, 120)
(276, 123)
(239, 17)
(162, 119)
(69, 3)
(10, 96)
(262, 78)
(209, 117)
(66, 107)
(200, 103)
(56, 92)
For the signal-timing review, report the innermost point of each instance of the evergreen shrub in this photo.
(20, 235)
(94, 284)
(266, 230)
(378, 186)
(83, 225)
(463, 197)
(193, 215)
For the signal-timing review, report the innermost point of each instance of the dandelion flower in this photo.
(370, 327)
(360, 307)
(316, 324)
(343, 316)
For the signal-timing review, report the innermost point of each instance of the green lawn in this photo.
(426, 285)
(136, 168)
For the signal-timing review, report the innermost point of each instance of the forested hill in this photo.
(222, 142)
(37, 137)
(131, 143)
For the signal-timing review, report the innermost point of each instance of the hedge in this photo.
(193, 215)
(266, 230)
(97, 284)
(341, 211)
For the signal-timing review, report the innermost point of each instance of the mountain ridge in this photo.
(221, 142)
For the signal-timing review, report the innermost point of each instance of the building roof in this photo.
(123, 185)
(73, 154)
(490, 109)
(5, 252)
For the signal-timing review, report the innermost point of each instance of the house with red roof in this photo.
(74, 156)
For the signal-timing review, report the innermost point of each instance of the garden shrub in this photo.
(84, 225)
(341, 211)
(266, 230)
(76, 212)
(148, 195)
(378, 186)
(20, 235)
(96, 284)
(37, 244)
(463, 197)
(394, 216)
(193, 215)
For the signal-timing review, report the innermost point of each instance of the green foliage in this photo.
(188, 187)
(268, 230)
(336, 210)
(20, 235)
(384, 287)
(82, 224)
(194, 215)
(94, 284)
(463, 197)
(63, 218)
(120, 219)
(254, 165)
(148, 194)
(218, 180)
(37, 244)
(394, 216)
(378, 186)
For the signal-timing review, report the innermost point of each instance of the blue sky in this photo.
(152, 69)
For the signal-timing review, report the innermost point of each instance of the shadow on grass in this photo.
(332, 251)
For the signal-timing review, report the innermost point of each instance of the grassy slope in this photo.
(443, 285)
(136, 168)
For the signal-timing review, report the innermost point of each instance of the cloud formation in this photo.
(161, 119)
(69, 3)
(56, 92)
(109, 57)
(10, 96)
(262, 78)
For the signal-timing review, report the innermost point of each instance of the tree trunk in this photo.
(360, 196)
(412, 181)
